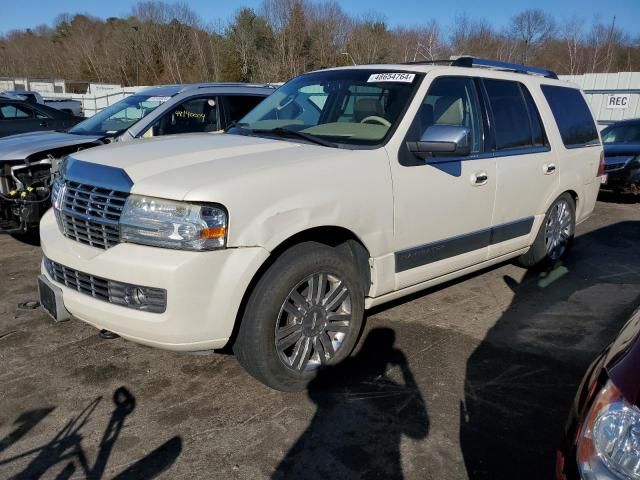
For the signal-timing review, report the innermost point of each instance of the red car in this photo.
(602, 438)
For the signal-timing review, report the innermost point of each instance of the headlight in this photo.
(609, 440)
(165, 223)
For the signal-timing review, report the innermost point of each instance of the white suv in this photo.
(345, 189)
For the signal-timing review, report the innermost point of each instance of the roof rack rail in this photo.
(235, 84)
(429, 62)
(465, 61)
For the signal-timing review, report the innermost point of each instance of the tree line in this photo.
(162, 42)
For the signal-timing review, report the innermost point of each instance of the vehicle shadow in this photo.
(365, 405)
(615, 197)
(521, 379)
(65, 453)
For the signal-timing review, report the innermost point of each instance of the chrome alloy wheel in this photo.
(313, 322)
(558, 230)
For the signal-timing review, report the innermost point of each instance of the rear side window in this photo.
(572, 115)
(15, 112)
(511, 117)
(539, 137)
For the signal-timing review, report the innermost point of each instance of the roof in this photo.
(11, 96)
(464, 64)
(230, 87)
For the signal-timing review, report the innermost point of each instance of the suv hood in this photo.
(174, 166)
(22, 146)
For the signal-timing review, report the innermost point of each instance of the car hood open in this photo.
(24, 145)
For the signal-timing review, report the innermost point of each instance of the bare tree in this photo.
(531, 28)
(162, 42)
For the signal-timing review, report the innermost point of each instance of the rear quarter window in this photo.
(572, 116)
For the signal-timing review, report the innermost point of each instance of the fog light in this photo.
(135, 296)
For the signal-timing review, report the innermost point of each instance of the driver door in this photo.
(443, 204)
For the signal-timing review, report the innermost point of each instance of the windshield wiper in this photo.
(285, 132)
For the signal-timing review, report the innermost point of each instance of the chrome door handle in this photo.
(549, 168)
(479, 178)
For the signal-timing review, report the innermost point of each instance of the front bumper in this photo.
(204, 289)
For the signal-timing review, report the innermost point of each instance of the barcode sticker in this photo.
(392, 77)
(157, 99)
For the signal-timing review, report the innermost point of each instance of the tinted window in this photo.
(572, 115)
(195, 115)
(539, 137)
(510, 115)
(39, 114)
(449, 101)
(15, 112)
(239, 105)
(624, 133)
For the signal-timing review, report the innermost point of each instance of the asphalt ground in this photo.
(472, 379)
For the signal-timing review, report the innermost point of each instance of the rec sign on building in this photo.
(618, 100)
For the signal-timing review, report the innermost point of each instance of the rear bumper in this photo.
(204, 289)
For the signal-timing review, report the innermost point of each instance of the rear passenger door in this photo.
(527, 169)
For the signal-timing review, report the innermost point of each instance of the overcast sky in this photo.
(15, 15)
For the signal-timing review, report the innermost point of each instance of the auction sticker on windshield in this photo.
(158, 99)
(392, 77)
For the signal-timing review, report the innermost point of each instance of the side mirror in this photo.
(442, 140)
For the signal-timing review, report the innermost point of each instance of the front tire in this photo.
(305, 312)
(556, 234)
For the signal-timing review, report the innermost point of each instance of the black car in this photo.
(20, 116)
(622, 156)
(602, 438)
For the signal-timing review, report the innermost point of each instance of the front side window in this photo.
(626, 133)
(450, 101)
(194, 115)
(572, 115)
(119, 116)
(349, 107)
(15, 112)
(511, 119)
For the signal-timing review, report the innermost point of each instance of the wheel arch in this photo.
(340, 238)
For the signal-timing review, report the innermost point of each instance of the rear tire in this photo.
(305, 312)
(556, 234)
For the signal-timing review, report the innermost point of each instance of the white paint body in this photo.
(275, 189)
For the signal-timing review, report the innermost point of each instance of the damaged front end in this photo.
(25, 193)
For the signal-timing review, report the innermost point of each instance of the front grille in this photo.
(88, 214)
(138, 297)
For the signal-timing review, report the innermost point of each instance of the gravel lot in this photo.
(469, 380)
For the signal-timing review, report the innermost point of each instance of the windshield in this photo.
(120, 116)
(629, 133)
(340, 107)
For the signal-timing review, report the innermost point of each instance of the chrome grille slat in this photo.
(82, 282)
(89, 214)
(103, 289)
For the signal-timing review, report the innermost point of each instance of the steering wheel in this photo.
(377, 119)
